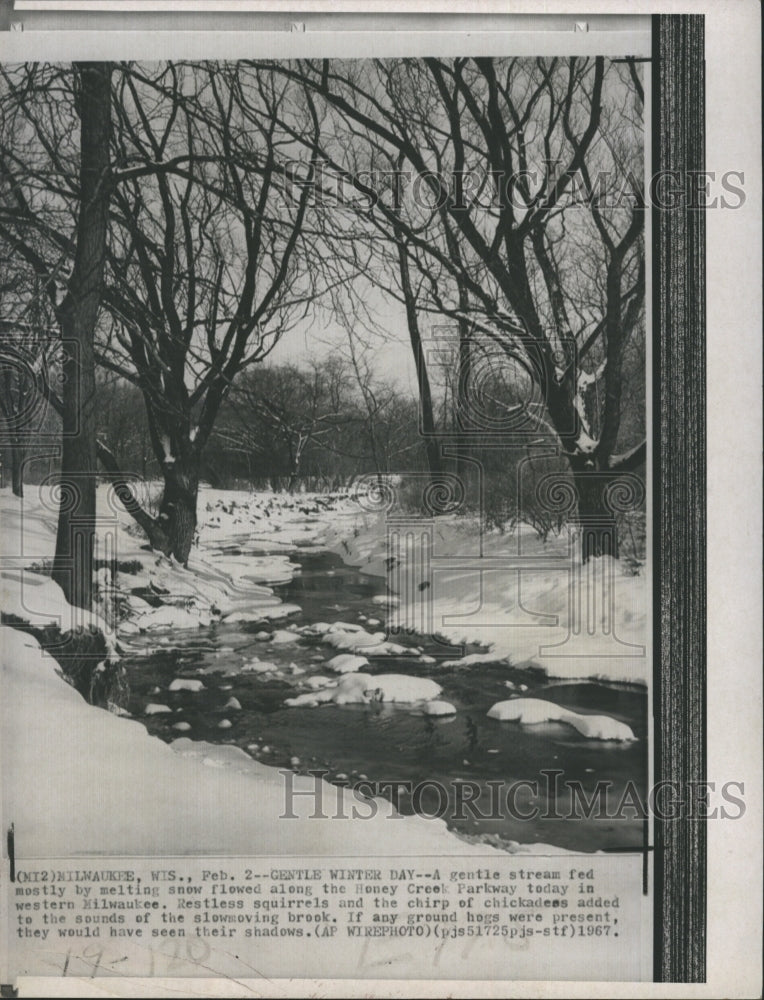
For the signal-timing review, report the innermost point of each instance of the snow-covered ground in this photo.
(94, 768)
(81, 781)
(243, 544)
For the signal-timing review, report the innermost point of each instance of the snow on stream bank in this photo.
(247, 541)
(81, 781)
(521, 616)
(94, 768)
(72, 773)
(243, 545)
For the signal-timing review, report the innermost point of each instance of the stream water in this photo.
(393, 742)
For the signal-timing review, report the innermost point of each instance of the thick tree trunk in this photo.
(601, 496)
(172, 531)
(75, 538)
(599, 535)
(176, 523)
(596, 520)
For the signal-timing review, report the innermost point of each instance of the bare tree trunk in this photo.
(11, 405)
(177, 513)
(464, 374)
(17, 467)
(462, 398)
(432, 447)
(75, 538)
(597, 524)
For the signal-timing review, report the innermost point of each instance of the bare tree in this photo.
(204, 266)
(29, 356)
(78, 315)
(532, 169)
(88, 158)
(203, 260)
(285, 415)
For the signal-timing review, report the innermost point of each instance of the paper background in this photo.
(733, 142)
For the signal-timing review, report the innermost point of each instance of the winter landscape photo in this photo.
(324, 511)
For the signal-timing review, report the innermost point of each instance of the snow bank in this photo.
(242, 543)
(531, 711)
(523, 616)
(72, 773)
(38, 601)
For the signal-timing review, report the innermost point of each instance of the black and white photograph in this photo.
(353, 503)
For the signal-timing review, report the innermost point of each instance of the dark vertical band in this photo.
(679, 331)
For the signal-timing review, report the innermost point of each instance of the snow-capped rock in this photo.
(345, 663)
(186, 684)
(532, 711)
(362, 689)
(438, 708)
(153, 709)
(282, 637)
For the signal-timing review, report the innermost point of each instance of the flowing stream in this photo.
(393, 742)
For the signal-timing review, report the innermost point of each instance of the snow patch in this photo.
(362, 689)
(354, 640)
(346, 663)
(532, 711)
(186, 684)
(343, 627)
(472, 658)
(282, 637)
(390, 599)
(168, 616)
(438, 708)
(257, 666)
